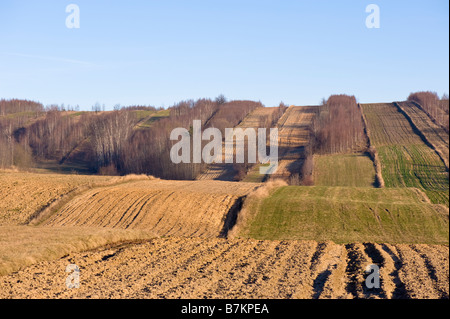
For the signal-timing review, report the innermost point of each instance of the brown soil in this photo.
(224, 171)
(175, 208)
(23, 194)
(220, 268)
(293, 137)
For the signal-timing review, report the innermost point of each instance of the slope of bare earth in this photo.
(219, 268)
(176, 208)
(224, 171)
(293, 136)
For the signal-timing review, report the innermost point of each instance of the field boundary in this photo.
(373, 153)
(66, 241)
(231, 217)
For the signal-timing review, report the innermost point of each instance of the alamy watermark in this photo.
(73, 19)
(213, 151)
(73, 279)
(373, 19)
(373, 279)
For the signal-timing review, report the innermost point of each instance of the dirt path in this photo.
(220, 268)
(293, 137)
(223, 171)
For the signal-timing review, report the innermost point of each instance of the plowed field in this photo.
(176, 208)
(219, 268)
(23, 194)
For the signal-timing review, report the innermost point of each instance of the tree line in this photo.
(14, 114)
(149, 150)
(109, 142)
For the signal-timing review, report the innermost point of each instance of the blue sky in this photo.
(161, 52)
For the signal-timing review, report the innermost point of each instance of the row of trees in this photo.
(148, 151)
(338, 126)
(55, 135)
(19, 106)
(437, 108)
(14, 114)
(6, 144)
(109, 141)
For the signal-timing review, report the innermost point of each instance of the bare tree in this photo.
(221, 99)
(338, 127)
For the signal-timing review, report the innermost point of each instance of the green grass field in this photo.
(150, 117)
(347, 214)
(405, 159)
(141, 114)
(415, 166)
(355, 170)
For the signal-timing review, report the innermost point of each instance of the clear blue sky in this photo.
(161, 52)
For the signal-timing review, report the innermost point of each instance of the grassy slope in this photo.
(148, 117)
(348, 214)
(344, 208)
(414, 166)
(406, 160)
(343, 170)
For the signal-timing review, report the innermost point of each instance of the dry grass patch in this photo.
(21, 246)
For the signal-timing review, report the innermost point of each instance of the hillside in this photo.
(261, 117)
(346, 215)
(293, 138)
(167, 208)
(158, 238)
(432, 133)
(23, 195)
(405, 158)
